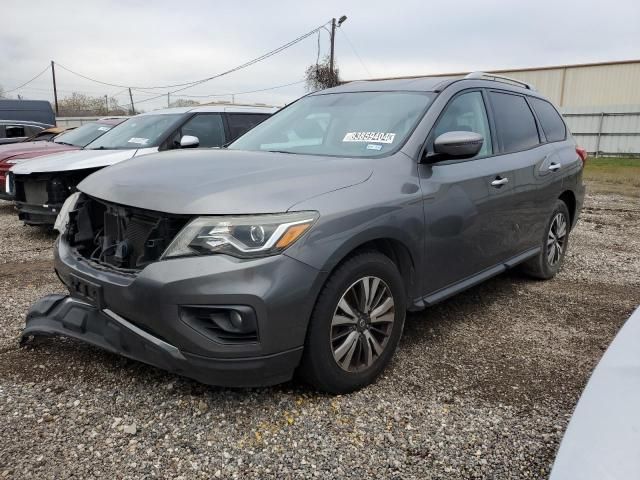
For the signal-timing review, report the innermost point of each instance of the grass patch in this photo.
(613, 175)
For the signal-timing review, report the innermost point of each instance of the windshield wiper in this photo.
(65, 143)
(279, 151)
(101, 147)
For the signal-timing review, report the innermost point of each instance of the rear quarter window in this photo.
(241, 123)
(552, 124)
(15, 131)
(515, 123)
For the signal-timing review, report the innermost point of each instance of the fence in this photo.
(67, 122)
(606, 131)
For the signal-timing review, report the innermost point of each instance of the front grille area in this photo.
(47, 188)
(35, 193)
(120, 237)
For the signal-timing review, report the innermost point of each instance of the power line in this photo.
(28, 82)
(354, 51)
(187, 85)
(216, 94)
(242, 93)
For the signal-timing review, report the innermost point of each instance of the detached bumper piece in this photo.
(37, 214)
(66, 316)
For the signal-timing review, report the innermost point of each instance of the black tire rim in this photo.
(556, 239)
(362, 324)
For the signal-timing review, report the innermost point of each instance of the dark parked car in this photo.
(28, 110)
(37, 146)
(20, 119)
(41, 186)
(302, 245)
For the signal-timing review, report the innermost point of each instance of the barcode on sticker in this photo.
(380, 137)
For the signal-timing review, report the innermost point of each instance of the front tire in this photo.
(356, 324)
(555, 242)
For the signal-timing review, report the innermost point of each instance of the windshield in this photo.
(137, 132)
(359, 124)
(82, 135)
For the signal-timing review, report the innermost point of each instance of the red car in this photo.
(71, 140)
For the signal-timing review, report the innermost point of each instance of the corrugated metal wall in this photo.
(586, 86)
(613, 130)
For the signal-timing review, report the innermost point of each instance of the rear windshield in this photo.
(138, 132)
(358, 124)
(83, 135)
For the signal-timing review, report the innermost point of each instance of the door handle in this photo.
(554, 167)
(498, 182)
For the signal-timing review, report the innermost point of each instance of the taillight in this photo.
(582, 153)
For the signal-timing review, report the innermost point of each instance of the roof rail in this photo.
(499, 78)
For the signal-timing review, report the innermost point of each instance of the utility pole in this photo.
(55, 90)
(133, 108)
(168, 99)
(341, 20)
(106, 102)
(333, 41)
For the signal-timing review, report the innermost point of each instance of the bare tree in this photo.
(184, 102)
(2, 94)
(81, 105)
(320, 76)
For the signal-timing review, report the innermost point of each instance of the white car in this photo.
(40, 186)
(602, 441)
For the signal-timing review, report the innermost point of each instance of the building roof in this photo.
(505, 70)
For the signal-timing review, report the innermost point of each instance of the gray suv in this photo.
(300, 247)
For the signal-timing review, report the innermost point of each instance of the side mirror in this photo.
(458, 144)
(189, 141)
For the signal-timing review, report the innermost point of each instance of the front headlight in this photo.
(243, 236)
(8, 183)
(62, 220)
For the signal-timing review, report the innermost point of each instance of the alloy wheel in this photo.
(362, 324)
(556, 239)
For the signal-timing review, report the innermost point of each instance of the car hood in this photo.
(73, 160)
(218, 182)
(25, 150)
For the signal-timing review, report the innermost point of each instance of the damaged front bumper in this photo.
(38, 214)
(164, 315)
(70, 317)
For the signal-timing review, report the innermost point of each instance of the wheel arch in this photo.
(569, 199)
(391, 245)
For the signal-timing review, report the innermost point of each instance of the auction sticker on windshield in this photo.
(141, 141)
(380, 137)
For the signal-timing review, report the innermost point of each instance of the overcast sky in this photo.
(148, 43)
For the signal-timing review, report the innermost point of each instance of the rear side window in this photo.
(551, 122)
(15, 131)
(515, 123)
(241, 123)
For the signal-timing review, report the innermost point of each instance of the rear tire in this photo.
(555, 242)
(356, 324)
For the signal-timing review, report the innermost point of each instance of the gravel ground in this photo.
(482, 387)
